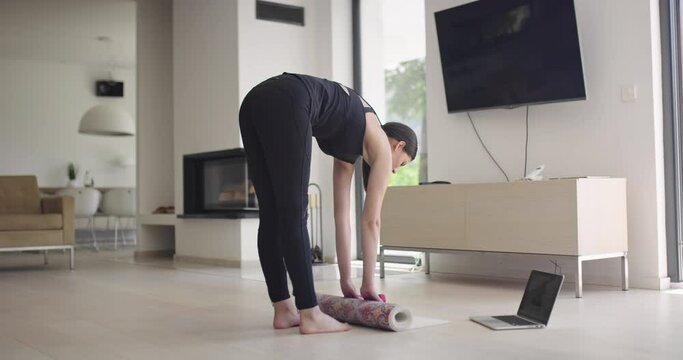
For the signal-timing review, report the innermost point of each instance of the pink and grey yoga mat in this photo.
(374, 314)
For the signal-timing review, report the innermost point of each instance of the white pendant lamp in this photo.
(107, 120)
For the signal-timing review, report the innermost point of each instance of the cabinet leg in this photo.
(381, 262)
(624, 272)
(579, 278)
(427, 265)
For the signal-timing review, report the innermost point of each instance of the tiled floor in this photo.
(112, 308)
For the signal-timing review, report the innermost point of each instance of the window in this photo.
(392, 68)
(393, 72)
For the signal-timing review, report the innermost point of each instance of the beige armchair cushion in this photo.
(30, 222)
(31, 238)
(19, 195)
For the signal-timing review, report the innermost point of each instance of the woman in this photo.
(278, 119)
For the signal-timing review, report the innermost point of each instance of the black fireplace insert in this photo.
(216, 185)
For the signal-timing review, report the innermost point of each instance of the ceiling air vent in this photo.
(266, 10)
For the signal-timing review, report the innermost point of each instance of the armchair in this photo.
(28, 222)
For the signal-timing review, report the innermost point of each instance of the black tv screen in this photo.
(506, 53)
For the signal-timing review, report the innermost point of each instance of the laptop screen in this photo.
(539, 296)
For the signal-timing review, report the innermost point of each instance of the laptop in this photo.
(537, 304)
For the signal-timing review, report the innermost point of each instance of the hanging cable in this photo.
(486, 148)
(557, 266)
(526, 142)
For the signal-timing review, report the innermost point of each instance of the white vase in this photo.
(87, 180)
(71, 184)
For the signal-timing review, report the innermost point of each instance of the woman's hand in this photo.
(349, 290)
(369, 293)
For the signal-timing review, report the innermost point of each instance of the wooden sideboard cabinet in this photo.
(583, 218)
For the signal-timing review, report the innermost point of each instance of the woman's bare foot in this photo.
(286, 314)
(314, 321)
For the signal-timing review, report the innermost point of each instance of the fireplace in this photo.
(216, 185)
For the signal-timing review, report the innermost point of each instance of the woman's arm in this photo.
(370, 222)
(342, 173)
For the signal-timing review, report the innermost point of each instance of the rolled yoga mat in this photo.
(374, 314)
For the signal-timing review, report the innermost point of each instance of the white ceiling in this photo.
(67, 30)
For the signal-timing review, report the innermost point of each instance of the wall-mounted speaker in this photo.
(109, 88)
(266, 10)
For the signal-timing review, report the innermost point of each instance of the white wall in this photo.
(205, 96)
(293, 46)
(205, 106)
(268, 48)
(220, 52)
(599, 136)
(155, 105)
(323, 47)
(155, 180)
(42, 103)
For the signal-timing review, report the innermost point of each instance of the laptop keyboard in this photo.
(514, 320)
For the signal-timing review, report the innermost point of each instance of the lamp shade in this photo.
(107, 120)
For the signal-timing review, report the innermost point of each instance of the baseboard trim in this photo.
(153, 254)
(652, 283)
(209, 261)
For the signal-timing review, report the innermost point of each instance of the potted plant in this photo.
(72, 173)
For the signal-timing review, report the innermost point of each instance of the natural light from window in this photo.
(393, 48)
(404, 78)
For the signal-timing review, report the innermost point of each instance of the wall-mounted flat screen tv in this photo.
(507, 53)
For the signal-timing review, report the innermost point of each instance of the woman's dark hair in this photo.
(400, 132)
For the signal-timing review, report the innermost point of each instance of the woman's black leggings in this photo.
(276, 131)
